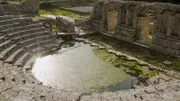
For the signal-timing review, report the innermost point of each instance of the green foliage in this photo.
(149, 75)
(54, 29)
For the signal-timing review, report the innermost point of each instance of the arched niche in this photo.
(110, 16)
(145, 25)
(175, 25)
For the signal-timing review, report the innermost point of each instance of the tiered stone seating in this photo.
(22, 39)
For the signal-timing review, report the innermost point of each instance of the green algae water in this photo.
(78, 68)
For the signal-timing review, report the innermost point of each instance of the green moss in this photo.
(129, 64)
(152, 57)
(130, 67)
(54, 29)
(149, 75)
(153, 73)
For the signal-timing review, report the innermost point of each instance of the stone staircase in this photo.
(22, 40)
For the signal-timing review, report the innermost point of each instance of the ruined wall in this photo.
(125, 29)
(166, 36)
(154, 24)
(28, 7)
(98, 16)
(64, 25)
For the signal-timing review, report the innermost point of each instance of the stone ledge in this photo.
(169, 91)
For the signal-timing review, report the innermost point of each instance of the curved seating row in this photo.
(22, 40)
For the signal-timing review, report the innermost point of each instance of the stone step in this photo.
(42, 51)
(21, 60)
(50, 45)
(16, 24)
(27, 43)
(25, 58)
(18, 55)
(29, 64)
(47, 45)
(11, 25)
(35, 40)
(39, 44)
(2, 38)
(5, 53)
(9, 21)
(31, 36)
(11, 59)
(5, 45)
(25, 32)
(37, 53)
(20, 28)
(6, 17)
(26, 54)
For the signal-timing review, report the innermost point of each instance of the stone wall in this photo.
(28, 7)
(154, 24)
(64, 25)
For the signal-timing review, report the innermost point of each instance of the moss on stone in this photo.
(152, 57)
(130, 67)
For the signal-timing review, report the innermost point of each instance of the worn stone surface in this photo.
(166, 92)
(64, 25)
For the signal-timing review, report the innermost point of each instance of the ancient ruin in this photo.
(26, 39)
(155, 25)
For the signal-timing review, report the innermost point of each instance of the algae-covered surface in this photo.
(150, 56)
(130, 67)
(79, 68)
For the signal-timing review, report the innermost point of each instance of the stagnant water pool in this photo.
(77, 68)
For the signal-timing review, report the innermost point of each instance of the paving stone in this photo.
(150, 90)
(163, 76)
(161, 87)
(167, 63)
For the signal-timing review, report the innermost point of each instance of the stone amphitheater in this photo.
(22, 40)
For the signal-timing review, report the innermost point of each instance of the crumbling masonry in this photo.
(156, 25)
(28, 7)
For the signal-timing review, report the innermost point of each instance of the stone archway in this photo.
(111, 20)
(145, 26)
(111, 16)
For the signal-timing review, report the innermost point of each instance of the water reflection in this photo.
(79, 69)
